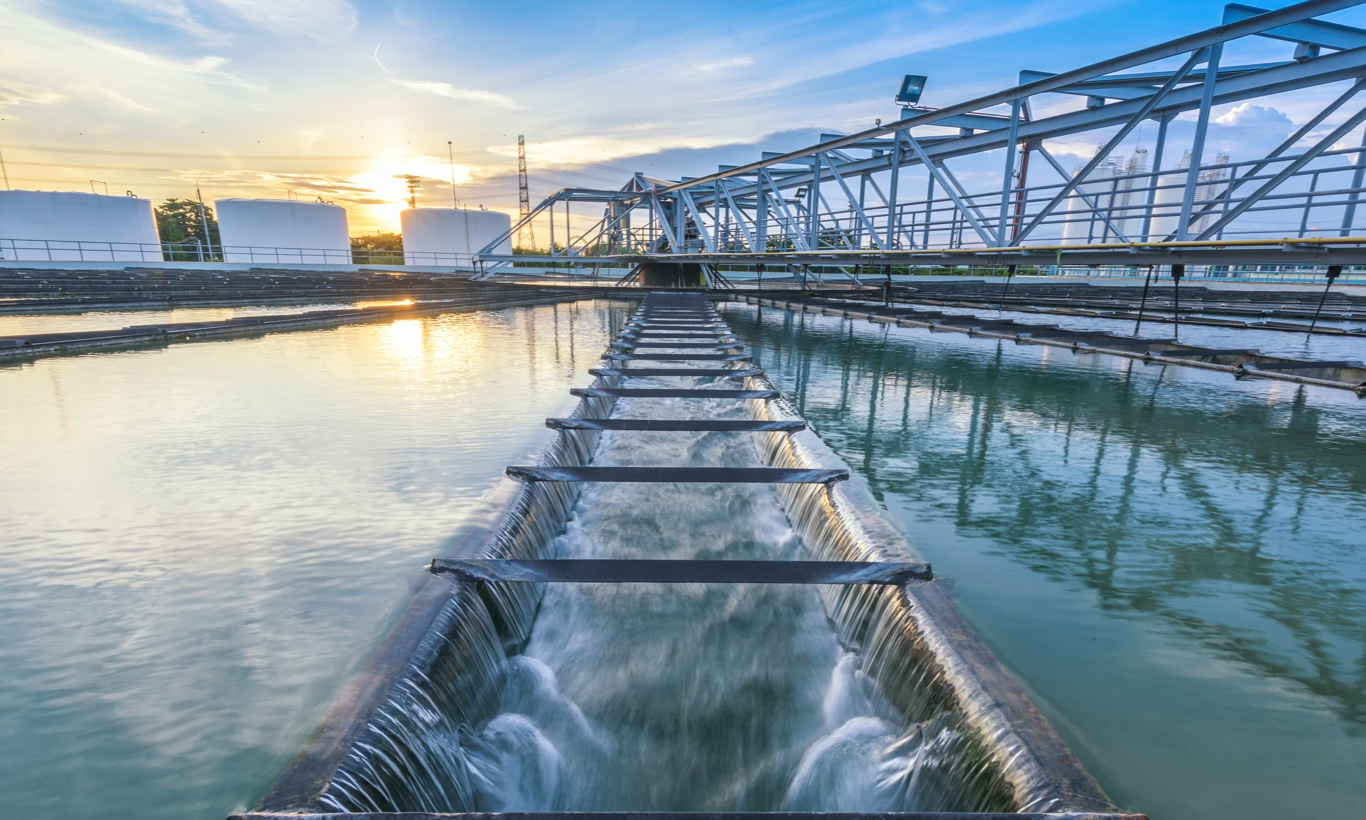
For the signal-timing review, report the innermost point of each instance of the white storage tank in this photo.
(71, 226)
(450, 236)
(1083, 225)
(283, 231)
(1211, 185)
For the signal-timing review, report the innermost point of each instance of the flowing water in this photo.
(642, 697)
(203, 542)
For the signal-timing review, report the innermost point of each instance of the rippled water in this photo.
(1271, 342)
(201, 542)
(1172, 562)
(14, 325)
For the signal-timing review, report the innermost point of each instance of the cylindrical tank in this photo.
(1213, 182)
(1131, 197)
(450, 236)
(282, 230)
(1167, 204)
(1083, 225)
(69, 226)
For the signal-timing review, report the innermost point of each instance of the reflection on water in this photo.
(201, 542)
(1299, 345)
(1171, 561)
(16, 324)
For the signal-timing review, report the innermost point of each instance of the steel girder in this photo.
(777, 211)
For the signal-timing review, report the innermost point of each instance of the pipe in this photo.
(1147, 280)
(1178, 271)
(1333, 272)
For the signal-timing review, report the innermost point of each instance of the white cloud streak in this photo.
(318, 19)
(466, 94)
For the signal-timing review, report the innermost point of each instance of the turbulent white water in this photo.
(654, 697)
(685, 697)
(700, 697)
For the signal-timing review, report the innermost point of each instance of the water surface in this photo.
(19, 324)
(1173, 563)
(201, 542)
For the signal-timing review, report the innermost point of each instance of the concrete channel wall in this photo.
(1340, 375)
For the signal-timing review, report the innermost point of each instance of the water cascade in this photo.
(511, 696)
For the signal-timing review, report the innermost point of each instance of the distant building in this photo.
(1119, 189)
(1167, 209)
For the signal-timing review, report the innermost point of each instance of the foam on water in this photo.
(634, 697)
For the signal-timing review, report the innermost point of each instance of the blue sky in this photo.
(336, 97)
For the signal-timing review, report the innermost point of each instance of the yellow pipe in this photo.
(1221, 243)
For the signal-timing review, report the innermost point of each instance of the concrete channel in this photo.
(1240, 363)
(387, 749)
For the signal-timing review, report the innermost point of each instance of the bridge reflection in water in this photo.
(1172, 562)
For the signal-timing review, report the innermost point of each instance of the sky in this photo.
(338, 99)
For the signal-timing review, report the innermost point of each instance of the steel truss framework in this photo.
(847, 201)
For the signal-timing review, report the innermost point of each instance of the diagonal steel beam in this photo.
(662, 216)
(785, 215)
(1285, 173)
(943, 166)
(936, 171)
(1105, 150)
(692, 208)
(739, 218)
(1095, 206)
(1290, 141)
(1316, 32)
(1009, 175)
(858, 209)
(1213, 53)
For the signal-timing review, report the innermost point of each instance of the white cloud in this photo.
(468, 94)
(13, 93)
(318, 19)
(174, 13)
(128, 103)
(1249, 114)
(576, 151)
(327, 186)
(62, 64)
(732, 62)
(211, 20)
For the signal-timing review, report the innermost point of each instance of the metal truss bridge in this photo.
(893, 196)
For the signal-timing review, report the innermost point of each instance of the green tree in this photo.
(179, 223)
(378, 249)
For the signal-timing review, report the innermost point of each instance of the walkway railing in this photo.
(61, 250)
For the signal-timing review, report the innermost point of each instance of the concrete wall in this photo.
(449, 236)
(71, 225)
(283, 231)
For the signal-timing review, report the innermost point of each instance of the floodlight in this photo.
(911, 87)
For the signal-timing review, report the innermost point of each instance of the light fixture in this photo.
(912, 85)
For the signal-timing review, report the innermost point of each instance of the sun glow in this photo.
(387, 180)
